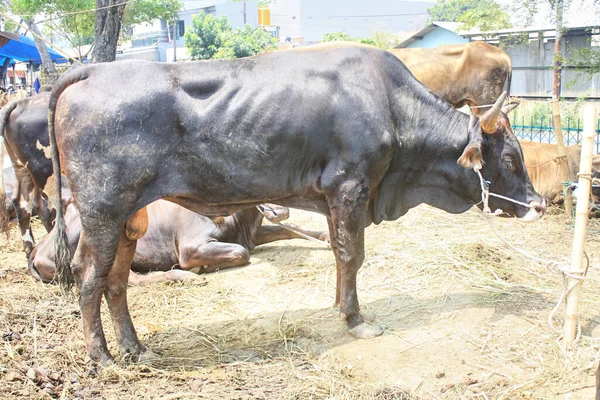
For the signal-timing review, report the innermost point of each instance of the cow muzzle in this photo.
(535, 212)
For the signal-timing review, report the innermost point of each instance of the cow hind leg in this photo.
(91, 265)
(347, 206)
(116, 288)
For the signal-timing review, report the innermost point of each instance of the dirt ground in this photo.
(465, 317)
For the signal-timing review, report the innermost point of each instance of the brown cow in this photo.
(179, 241)
(541, 161)
(473, 74)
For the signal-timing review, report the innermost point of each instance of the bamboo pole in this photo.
(581, 218)
(562, 155)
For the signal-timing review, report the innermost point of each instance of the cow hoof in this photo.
(366, 331)
(102, 361)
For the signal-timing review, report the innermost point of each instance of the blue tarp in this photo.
(22, 48)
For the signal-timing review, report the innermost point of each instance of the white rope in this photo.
(485, 196)
(551, 265)
(482, 106)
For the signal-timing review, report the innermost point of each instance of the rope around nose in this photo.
(485, 196)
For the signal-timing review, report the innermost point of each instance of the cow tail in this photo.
(4, 115)
(62, 274)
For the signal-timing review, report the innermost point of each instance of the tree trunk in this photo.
(108, 28)
(47, 65)
(556, 86)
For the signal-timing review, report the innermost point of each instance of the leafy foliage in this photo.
(213, 37)
(140, 11)
(206, 36)
(246, 42)
(383, 40)
(486, 16)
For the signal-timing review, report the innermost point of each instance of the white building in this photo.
(154, 41)
(311, 19)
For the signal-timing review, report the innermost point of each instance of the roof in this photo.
(550, 29)
(476, 34)
(22, 48)
(449, 26)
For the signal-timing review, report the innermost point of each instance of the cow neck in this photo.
(429, 130)
(431, 137)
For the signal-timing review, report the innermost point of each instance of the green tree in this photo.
(381, 39)
(486, 16)
(337, 37)
(213, 37)
(245, 42)
(206, 36)
(95, 21)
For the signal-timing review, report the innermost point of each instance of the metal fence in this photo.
(542, 131)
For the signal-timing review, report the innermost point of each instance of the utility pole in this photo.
(174, 40)
(244, 12)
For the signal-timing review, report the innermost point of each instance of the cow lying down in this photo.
(179, 243)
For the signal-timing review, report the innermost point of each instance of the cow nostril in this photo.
(539, 207)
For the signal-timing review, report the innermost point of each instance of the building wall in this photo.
(532, 70)
(312, 19)
(234, 11)
(438, 37)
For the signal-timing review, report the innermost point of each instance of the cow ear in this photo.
(471, 157)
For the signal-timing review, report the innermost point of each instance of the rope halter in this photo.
(485, 195)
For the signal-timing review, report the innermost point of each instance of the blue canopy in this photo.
(22, 48)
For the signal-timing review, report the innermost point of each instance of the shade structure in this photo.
(22, 48)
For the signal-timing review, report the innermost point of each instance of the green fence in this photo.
(541, 130)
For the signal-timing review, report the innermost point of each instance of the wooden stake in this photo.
(581, 219)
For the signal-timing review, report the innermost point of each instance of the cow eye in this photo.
(508, 164)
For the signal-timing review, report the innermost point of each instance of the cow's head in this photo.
(494, 150)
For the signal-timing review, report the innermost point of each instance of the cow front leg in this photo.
(334, 248)
(348, 216)
(45, 211)
(116, 289)
(23, 213)
(212, 256)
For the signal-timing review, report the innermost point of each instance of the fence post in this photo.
(531, 130)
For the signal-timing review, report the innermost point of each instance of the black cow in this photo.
(179, 240)
(24, 127)
(341, 129)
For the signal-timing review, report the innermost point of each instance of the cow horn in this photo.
(488, 120)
